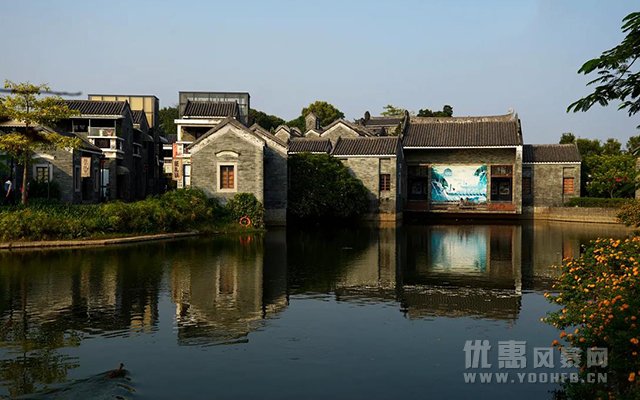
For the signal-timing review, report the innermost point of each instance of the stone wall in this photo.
(547, 184)
(63, 172)
(368, 170)
(228, 148)
(573, 214)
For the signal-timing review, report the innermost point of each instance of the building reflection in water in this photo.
(224, 288)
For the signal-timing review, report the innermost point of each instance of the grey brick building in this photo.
(464, 164)
(379, 163)
(231, 158)
(109, 125)
(73, 173)
(550, 174)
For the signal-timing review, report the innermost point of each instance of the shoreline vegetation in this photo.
(180, 211)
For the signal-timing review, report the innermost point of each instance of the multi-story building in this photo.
(109, 126)
(198, 113)
(145, 111)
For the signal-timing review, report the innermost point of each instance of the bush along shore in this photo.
(176, 211)
(599, 295)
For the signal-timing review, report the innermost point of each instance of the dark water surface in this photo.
(359, 313)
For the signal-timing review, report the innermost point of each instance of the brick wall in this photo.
(228, 148)
(368, 170)
(63, 173)
(547, 184)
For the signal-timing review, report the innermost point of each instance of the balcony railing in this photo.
(102, 132)
(111, 146)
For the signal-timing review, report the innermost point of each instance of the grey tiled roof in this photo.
(210, 109)
(265, 134)
(367, 146)
(102, 108)
(383, 121)
(300, 145)
(463, 132)
(360, 130)
(550, 153)
(138, 116)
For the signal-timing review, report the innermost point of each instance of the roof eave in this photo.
(513, 146)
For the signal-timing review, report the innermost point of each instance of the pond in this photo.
(360, 313)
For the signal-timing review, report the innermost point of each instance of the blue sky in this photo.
(481, 57)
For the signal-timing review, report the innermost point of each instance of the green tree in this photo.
(447, 111)
(618, 76)
(167, 116)
(612, 147)
(266, 121)
(611, 175)
(392, 111)
(333, 193)
(633, 145)
(25, 104)
(567, 138)
(589, 147)
(326, 112)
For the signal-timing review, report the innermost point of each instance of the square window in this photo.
(385, 182)
(42, 173)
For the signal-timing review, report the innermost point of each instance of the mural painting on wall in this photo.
(462, 184)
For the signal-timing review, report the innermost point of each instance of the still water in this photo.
(356, 313)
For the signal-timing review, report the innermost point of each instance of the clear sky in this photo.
(481, 57)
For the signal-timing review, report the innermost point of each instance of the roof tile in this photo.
(102, 108)
(367, 146)
(464, 132)
(306, 145)
(550, 153)
(210, 109)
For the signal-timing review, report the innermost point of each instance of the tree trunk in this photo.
(25, 176)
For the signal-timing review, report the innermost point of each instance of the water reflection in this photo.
(220, 290)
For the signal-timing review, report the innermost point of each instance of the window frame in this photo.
(234, 167)
(384, 183)
(43, 165)
(564, 185)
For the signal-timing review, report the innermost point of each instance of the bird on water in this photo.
(117, 373)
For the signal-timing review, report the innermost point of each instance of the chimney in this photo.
(311, 121)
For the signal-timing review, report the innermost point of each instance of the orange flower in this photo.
(634, 340)
(632, 377)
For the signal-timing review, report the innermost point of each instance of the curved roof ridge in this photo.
(509, 117)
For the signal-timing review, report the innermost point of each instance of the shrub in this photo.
(180, 210)
(600, 298)
(322, 188)
(630, 213)
(44, 190)
(246, 204)
(596, 202)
